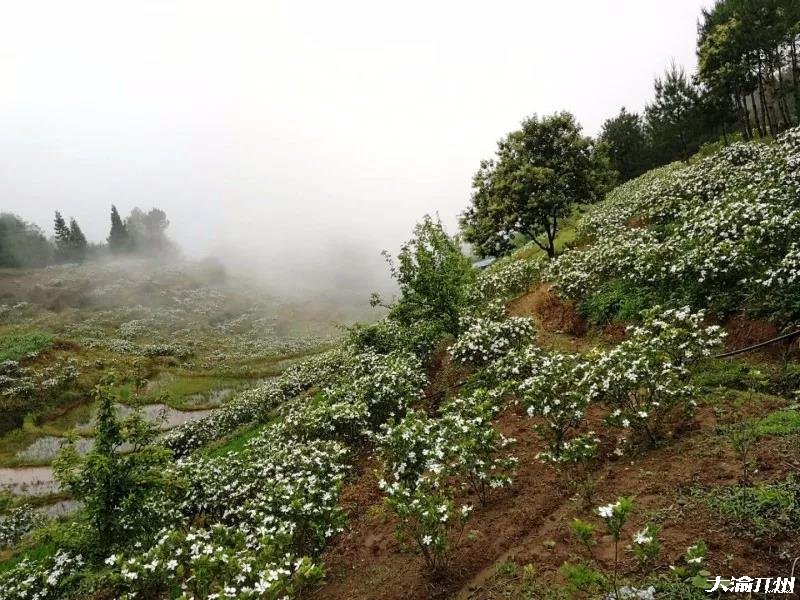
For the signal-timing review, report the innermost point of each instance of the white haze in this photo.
(298, 139)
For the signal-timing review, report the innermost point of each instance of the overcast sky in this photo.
(322, 128)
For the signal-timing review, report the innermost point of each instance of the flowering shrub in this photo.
(430, 520)
(386, 383)
(557, 393)
(475, 446)
(486, 338)
(646, 546)
(643, 378)
(270, 510)
(220, 562)
(509, 371)
(424, 457)
(700, 233)
(46, 580)
(614, 516)
(506, 278)
(409, 450)
(16, 523)
(389, 335)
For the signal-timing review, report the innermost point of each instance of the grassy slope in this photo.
(62, 314)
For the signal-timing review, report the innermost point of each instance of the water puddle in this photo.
(36, 481)
(28, 481)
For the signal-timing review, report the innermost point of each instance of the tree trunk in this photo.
(724, 132)
(781, 89)
(766, 117)
(756, 118)
(744, 117)
(795, 85)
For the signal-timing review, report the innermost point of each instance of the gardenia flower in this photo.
(607, 511)
(641, 537)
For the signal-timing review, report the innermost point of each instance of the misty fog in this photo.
(295, 142)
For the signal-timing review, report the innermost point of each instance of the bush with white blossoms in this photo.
(219, 562)
(706, 233)
(50, 579)
(425, 458)
(646, 545)
(430, 520)
(487, 337)
(643, 379)
(557, 393)
(16, 522)
(506, 278)
(409, 450)
(476, 449)
(269, 511)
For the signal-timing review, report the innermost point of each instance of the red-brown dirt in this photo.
(552, 313)
(529, 523)
(743, 331)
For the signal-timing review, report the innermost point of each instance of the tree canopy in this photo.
(22, 244)
(627, 144)
(539, 172)
(433, 275)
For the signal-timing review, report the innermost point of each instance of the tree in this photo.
(77, 241)
(540, 171)
(627, 144)
(671, 117)
(147, 230)
(747, 52)
(62, 236)
(22, 244)
(433, 276)
(114, 486)
(118, 238)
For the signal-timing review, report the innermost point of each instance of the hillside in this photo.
(181, 339)
(542, 429)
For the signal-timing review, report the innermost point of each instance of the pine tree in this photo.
(61, 232)
(62, 237)
(77, 241)
(118, 237)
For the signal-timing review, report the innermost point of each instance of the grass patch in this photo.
(236, 442)
(764, 510)
(779, 423)
(34, 553)
(720, 373)
(14, 346)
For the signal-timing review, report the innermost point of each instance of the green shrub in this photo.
(616, 300)
(583, 578)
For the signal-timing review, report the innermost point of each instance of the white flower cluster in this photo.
(506, 278)
(696, 233)
(39, 581)
(424, 458)
(643, 378)
(268, 510)
(16, 523)
(486, 338)
(556, 393)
